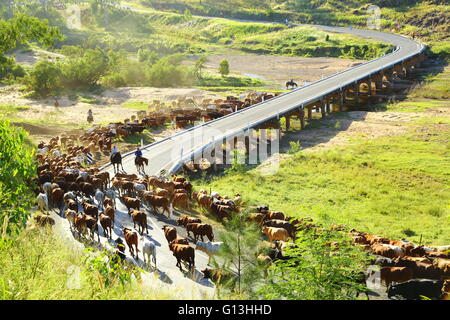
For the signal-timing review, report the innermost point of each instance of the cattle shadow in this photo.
(151, 239)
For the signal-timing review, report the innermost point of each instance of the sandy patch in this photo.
(280, 69)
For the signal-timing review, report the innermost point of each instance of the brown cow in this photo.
(91, 224)
(181, 200)
(180, 240)
(157, 201)
(184, 220)
(273, 215)
(217, 276)
(110, 212)
(256, 217)
(131, 238)
(140, 218)
(57, 198)
(170, 233)
(107, 224)
(131, 203)
(387, 250)
(204, 201)
(200, 230)
(395, 274)
(276, 234)
(72, 205)
(90, 210)
(443, 264)
(276, 223)
(80, 224)
(183, 252)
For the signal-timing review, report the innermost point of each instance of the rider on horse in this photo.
(138, 154)
(114, 151)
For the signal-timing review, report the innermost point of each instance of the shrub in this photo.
(316, 270)
(17, 167)
(44, 79)
(224, 68)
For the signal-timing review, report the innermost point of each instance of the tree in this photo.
(22, 29)
(17, 167)
(44, 79)
(224, 68)
(238, 256)
(199, 65)
(324, 265)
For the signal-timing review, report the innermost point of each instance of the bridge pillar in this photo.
(357, 93)
(322, 109)
(302, 118)
(309, 113)
(327, 105)
(341, 101)
(288, 122)
(378, 81)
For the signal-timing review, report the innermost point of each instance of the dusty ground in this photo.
(280, 69)
(29, 58)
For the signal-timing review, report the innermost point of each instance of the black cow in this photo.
(414, 289)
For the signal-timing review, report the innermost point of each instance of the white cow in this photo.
(100, 197)
(47, 188)
(210, 248)
(42, 201)
(149, 249)
(139, 188)
(215, 194)
(84, 175)
(110, 193)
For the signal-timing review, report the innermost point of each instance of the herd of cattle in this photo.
(100, 138)
(88, 199)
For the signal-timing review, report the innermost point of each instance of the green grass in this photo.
(210, 80)
(394, 186)
(434, 87)
(136, 105)
(136, 139)
(309, 41)
(417, 106)
(8, 110)
(37, 265)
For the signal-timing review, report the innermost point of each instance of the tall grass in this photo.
(393, 186)
(36, 264)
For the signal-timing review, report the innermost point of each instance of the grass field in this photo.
(396, 186)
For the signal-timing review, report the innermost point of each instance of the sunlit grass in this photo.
(394, 186)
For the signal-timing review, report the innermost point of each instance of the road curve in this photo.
(171, 152)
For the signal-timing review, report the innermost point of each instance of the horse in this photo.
(292, 84)
(139, 162)
(116, 159)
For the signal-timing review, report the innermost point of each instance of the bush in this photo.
(316, 270)
(44, 79)
(84, 71)
(17, 167)
(9, 69)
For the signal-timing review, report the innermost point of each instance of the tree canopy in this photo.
(22, 29)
